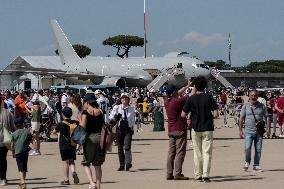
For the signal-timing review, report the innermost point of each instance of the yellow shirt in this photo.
(145, 106)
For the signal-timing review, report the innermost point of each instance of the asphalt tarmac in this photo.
(149, 165)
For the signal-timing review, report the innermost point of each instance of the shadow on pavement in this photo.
(142, 144)
(274, 170)
(149, 169)
(161, 139)
(31, 183)
(234, 178)
(40, 178)
(50, 187)
(104, 182)
(131, 152)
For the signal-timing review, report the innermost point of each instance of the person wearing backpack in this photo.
(66, 146)
(20, 142)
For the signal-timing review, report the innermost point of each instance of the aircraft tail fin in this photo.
(66, 52)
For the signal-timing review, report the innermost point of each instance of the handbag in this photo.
(79, 135)
(260, 125)
(7, 138)
(107, 137)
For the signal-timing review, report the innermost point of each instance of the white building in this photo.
(37, 72)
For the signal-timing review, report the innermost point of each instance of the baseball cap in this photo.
(98, 92)
(171, 88)
(124, 94)
(67, 112)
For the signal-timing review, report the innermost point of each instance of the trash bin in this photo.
(158, 118)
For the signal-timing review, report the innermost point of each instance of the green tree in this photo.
(81, 50)
(269, 66)
(124, 42)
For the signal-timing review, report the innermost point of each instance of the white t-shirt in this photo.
(104, 105)
(156, 103)
(130, 113)
(43, 106)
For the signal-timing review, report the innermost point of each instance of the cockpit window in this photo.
(204, 66)
(201, 66)
(194, 65)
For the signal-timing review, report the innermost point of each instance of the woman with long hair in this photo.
(76, 106)
(7, 121)
(92, 119)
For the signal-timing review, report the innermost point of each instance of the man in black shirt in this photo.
(201, 106)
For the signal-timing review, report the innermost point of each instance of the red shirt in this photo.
(173, 108)
(280, 102)
(223, 97)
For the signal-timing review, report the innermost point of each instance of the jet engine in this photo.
(117, 81)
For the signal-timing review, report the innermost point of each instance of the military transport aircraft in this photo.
(132, 71)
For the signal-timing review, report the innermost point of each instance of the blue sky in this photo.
(200, 27)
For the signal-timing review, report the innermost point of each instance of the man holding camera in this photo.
(177, 131)
(251, 114)
(124, 131)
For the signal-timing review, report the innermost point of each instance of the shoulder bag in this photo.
(6, 138)
(107, 137)
(79, 134)
(260, 125)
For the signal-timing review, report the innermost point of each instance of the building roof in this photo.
(36, 64)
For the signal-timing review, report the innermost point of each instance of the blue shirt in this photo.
(260, 113)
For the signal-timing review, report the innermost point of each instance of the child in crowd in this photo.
(139, 117)
(35, 112)
(21, 140)
(66, 146)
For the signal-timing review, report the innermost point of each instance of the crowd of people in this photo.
(33, 115)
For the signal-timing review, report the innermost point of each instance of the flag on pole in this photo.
(145, 15)
(145, 40)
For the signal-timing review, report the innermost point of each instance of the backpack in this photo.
(72, 127)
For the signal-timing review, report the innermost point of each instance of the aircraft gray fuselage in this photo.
(136, 71)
